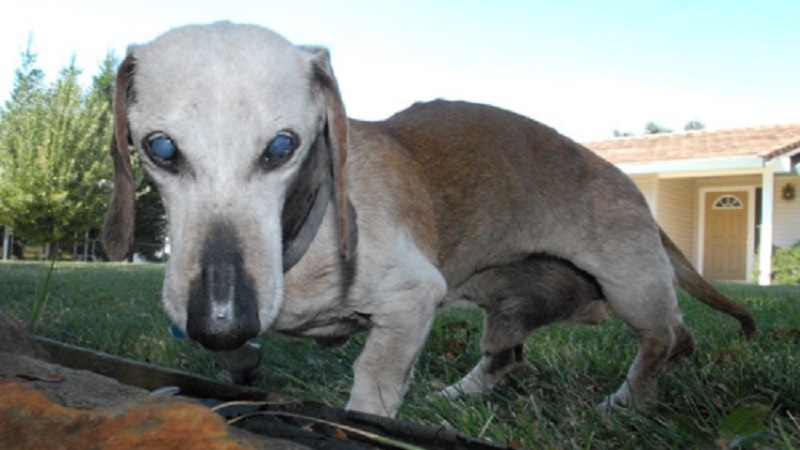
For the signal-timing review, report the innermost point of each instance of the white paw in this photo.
(450, 392)
(608, 406)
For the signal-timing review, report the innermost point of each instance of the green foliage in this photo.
(151, 220)
(28, 80)
(694, 125)
(15, 122)
(619, 134)
(54, 172)
(744, 423)
(786, 264)
(654, 128)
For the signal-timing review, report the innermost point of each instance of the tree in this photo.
(619, 134)
(28, 79)
(693, 125)
(654, 128)
(28, 86)
(151, 222)
(53, 142)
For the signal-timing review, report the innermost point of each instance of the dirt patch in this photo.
(48, 406)
(68, 387)
(23, 358)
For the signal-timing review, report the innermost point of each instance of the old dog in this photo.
(285, 215)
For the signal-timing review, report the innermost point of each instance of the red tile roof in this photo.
(765, 141)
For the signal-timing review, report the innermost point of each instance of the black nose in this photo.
(222, 312)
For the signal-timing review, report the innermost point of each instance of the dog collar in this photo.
(306, 202)
(296, 244)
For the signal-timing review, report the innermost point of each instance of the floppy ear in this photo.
(118, 226)
(336, 135)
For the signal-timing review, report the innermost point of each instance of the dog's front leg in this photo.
(385, 367)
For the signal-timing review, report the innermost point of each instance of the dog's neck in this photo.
(305, 205)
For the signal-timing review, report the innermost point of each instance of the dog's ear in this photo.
(336, 135)
(119, 223)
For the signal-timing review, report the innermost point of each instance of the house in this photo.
(726, 197)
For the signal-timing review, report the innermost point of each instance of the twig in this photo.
(217, 408)
(486, 426)
(366, 434)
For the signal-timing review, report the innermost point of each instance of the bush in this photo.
(786, 265)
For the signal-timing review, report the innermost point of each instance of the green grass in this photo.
(730, 394)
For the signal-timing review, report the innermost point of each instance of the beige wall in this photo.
(740, 181)
(647, 184)
(674, 202)
(677, 212)
(786, 231)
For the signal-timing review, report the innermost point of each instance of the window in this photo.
(728, 202)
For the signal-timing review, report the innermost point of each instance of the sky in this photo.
(584, 67)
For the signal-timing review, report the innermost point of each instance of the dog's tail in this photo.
(698, 287)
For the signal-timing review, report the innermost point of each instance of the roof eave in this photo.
(787, 162)
(696, 167)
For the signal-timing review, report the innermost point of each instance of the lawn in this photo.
(731, 393)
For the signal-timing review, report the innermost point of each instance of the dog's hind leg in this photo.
(493, 366)
(517, 299)
(650, 307)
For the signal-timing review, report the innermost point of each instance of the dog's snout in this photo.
(222, 312)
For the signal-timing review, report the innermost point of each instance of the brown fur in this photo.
(118, 227)
(522, 296)
(439, 134)
(337, 144)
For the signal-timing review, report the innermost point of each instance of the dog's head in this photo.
(245, 136)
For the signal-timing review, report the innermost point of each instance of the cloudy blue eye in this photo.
(280, 148)
(161, 149)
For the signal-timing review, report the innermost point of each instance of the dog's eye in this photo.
(279, 149)
(161, 149)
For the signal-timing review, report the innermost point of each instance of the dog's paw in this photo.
(450, 392)
(242, 364)
(626, 401)
(609, 406)
(245, 377)
(468, 388)
(249, 371)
